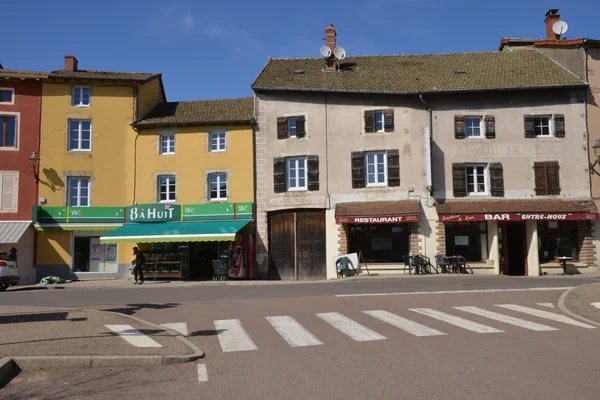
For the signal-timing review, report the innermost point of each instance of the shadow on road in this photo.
(38, 317)
(208, 332)
(131, 309)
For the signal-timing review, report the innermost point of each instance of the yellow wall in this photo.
(192, 161)
(53, 248)
(150, 94)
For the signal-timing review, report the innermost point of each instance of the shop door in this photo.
(502, 248)
(516, 248)
(282, 256)
(310, 244)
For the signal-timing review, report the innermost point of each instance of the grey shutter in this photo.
(496, 179)
(300, 126)
(279, 175)
(282, 128)
(369, 121)
(313, 172)
(459, 127)
(529, 126)
(459, 182)
(388, 120)
(490, 127)
(541, 186)
(553, 177)
(559, 125)
(393, 165)
(358, 169)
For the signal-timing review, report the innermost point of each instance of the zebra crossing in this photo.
(233, 337)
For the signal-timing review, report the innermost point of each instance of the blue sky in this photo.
(215, 49)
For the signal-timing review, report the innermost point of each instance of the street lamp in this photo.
(35, 162)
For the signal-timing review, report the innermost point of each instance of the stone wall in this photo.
(262, 241)
(587, 247)
(441, 237)
(342, 232)
(415, 240)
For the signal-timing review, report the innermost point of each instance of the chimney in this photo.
(330, 35)
(552, 16)
(71, 63)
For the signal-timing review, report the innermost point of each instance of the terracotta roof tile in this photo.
(104, 75)
(15, 73)
(515, 206)
(377, 208)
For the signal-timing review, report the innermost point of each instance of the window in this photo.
(218, 141)
(166, 188)
(9, 184)
(466, 239)
(547, 178)
(167, 144)
(78, 192)
(541, 125)
(380, 243)
(476, 180)
(376, 169)
(292, 125)
(81, 96)
(8, 131)
(473, 127)
(7, 95)
(379, 120)
(379, 123)
(558, 239)
(80, 135)
(217, 186)
(296, 173)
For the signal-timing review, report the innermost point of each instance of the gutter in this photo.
(143, 125)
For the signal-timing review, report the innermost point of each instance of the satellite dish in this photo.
(340, 53)
(325, 51)
(560, 27)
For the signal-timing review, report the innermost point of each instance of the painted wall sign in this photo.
(216, 212)
(379, 220)
(518, 217)
(153, 213)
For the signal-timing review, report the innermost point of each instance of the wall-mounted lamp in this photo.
(35, 163)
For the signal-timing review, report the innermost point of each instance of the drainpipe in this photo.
(327, 158)
(428, 157)
(37, 183)
(135, 119)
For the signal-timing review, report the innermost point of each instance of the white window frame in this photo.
(289, 126)
(385, 169)
(17, 115)
(220, 143)
(8, 103)
(288, 165)
(481, 132)
(218, 174)
(158, 184)
(486, 180)
(80, 104)
(170, 137)
(79, 132)
(375, 121)
(79, 186)
(12, 175)
(535, 126)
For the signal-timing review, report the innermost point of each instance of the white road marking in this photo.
(292, 332)
(597, 305)
(232, 336)
(407, 325)
(180, 327)
(549, 305)
(202, 373)
(456, 321)
(351, 328)
(545, 315)
(542, 289)
(133, 336)
(507, 319)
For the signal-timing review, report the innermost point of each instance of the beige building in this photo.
(358, 156)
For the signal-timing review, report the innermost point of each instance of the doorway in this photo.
(515, 244)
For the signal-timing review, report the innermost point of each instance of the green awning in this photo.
(162, 232)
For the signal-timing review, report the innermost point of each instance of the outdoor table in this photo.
(455, 262)
(563, 261)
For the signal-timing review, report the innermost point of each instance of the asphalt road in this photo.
(320, 351)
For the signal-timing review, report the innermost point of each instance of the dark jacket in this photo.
(140, 261)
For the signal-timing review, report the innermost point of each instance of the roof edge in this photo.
(150, 125)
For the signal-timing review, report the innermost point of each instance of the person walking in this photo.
(13, 254)
(139, 263)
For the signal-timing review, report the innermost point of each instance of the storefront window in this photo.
(466, 239)
(557, 239)
(383, 243)
(92, 256)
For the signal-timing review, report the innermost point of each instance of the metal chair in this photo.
(441, 261)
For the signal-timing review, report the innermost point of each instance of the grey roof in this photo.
(103, 75)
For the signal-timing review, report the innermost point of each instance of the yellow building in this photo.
(87, 165)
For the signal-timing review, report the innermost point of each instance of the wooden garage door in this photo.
(297, 245)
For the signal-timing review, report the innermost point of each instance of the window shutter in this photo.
(358, 169)
(313, 172)
(369, 121)
(8, 192)
(388, 120)
(393, 165)
(529, 128)
(559, 125)
(553, 175)
(490, 127)
(496, 179)
(539, 170)
(300, 126)
(459, 183)
(282, 128)
(459, 127)
(279, 175)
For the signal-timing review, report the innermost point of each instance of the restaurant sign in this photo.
(518, 217)
(153, 213)
(390, 219)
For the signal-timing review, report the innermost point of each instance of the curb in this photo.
(563, 307)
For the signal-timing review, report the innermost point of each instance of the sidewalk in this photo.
(578, 303)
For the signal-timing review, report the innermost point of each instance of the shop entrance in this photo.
(512, 248)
